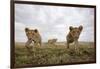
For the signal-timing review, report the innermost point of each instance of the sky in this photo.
(53, 21)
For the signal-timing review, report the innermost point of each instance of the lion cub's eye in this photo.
(78, 31)
(74, 31)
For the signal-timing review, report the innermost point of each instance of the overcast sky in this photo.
(53, 21)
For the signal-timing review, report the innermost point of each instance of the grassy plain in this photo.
(53, 54)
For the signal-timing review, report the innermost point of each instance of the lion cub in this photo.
(73, 35)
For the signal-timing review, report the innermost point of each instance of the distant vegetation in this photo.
(57, 54)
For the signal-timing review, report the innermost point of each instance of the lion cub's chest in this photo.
(70, 39)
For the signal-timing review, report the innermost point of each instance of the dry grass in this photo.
(56, 54)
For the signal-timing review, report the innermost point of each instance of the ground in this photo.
(53, 54)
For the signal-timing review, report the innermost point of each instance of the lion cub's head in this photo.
(31, 33)
(75, 31)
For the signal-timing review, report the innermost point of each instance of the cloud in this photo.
(19, 32)
(53, 21)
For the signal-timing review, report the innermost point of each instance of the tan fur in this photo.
(52, 41)
(73, 35)
(32, 35)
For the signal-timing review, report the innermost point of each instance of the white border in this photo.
(5, 34)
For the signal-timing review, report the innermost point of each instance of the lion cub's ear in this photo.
(70, 28)
(26, 29)
(80, 27)
(35, 30)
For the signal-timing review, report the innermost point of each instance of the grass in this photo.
(56, 54)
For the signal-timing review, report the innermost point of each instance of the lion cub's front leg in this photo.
(76, 44)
